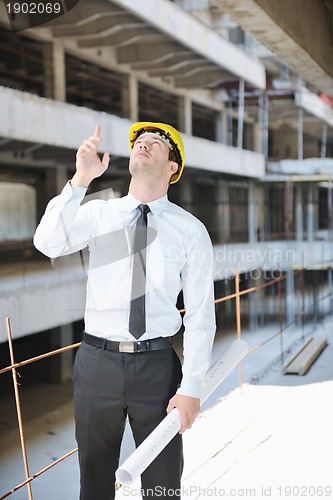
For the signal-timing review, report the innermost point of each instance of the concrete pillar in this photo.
(257, 305)
(61, 364)
(253, 306)
(312, 212)
(185, 115)
(290, 297)
(300, 296)
(299, 212)
(288, 209)
(220, 128)
(315, 188)
(222, 219)
(261, 210)
(323, 141)
(50, 184)
(48, 70)
(229, 123)
(259, 127)
(330, 209)
(55, 180)
(265, 124)
(317, 305)
(257, 139)
(61, 177)
(225, 125)
(330, 289)
(252, 213)
(42, 198)
(130, 98)
(300, 135)
(54, 71)
(240, 114)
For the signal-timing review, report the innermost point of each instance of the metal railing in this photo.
(237, 296)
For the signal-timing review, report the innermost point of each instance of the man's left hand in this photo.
(188, 409)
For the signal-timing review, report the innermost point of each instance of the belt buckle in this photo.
(126, 347)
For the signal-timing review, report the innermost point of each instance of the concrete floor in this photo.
(259, 440)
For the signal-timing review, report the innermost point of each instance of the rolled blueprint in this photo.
(148, 450)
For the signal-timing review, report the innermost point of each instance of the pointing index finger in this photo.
(97, 132)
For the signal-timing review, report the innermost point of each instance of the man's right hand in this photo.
(88, 164)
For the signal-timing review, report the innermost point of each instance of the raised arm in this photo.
(65, 226)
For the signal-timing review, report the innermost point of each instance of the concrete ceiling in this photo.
(133, 38)
(299, 32)
(187, 54)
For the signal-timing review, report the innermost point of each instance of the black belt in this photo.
(130, 347)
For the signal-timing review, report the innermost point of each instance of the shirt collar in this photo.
(156, 206)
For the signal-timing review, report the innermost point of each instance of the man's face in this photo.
(149, 157)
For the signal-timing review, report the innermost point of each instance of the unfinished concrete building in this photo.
(252, 95)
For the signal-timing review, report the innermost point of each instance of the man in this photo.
(143, 251)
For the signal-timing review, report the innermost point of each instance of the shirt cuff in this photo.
(191, 388)
(77, 191)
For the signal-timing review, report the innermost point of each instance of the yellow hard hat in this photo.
(172, 137)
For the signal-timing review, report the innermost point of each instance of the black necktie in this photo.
(137, 317)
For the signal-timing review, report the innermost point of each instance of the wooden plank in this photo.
(288, 363)
(301, 361)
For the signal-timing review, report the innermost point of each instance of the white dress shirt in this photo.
(179, 257)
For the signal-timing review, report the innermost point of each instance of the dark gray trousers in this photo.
(108, 386)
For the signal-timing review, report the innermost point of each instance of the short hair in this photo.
(173, 156)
